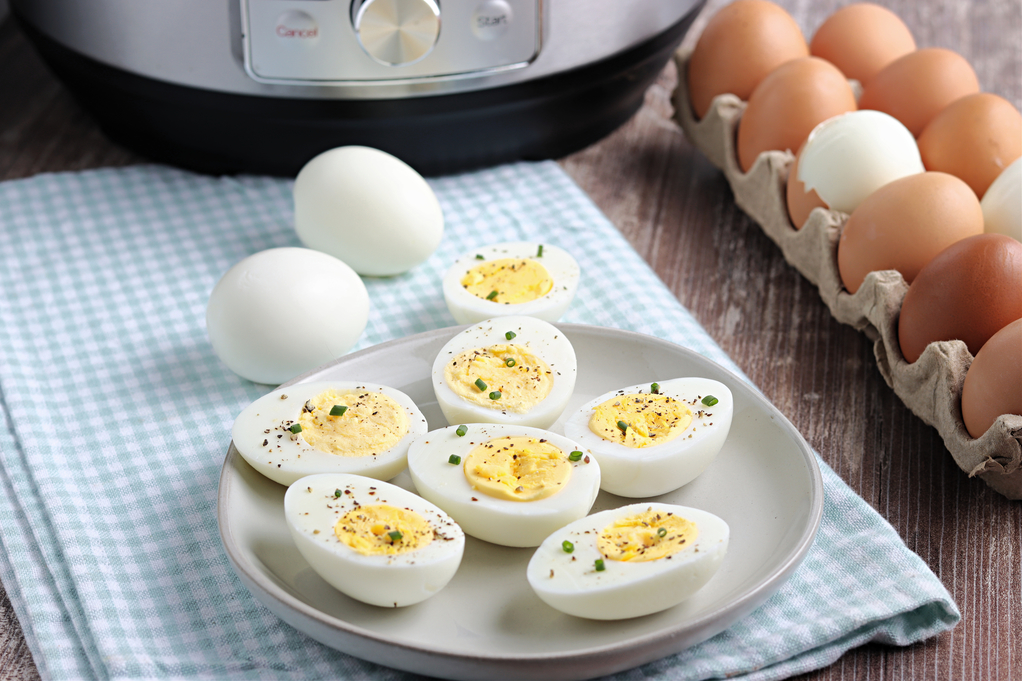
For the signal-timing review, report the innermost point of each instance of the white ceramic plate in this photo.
(487, 623)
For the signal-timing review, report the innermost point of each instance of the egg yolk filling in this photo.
(504, 377)
(517, 468)
(370, 423)
(640, 420)
(383, 530)
(509, 280)
(646, 536)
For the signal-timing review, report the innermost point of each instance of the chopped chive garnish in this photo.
(600, 567)
(295, 428)
(575, 456)
(539, 253)
(495, 395)
(510, 362)
(479, 257)
(567, 546)
(337, 492)
(655, 388)
(510, 334)
(454, 460)
(394, 536)
(461, 431)
(480, 384)
(710, 400)
(622, 425)
(338, 410)
(662, 532)
(491, 295)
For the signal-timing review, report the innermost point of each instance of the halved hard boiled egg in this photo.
(373, 541)
(328, 427)
(629, 561)
(514, 278)
(508, 485)
(515, 370)
(654, 437)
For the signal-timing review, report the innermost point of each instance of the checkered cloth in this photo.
(116, 416)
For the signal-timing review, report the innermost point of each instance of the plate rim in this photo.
(745, 603)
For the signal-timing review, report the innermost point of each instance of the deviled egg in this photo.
(514, 278)
(653, 438)
(515, 370)
(328, 427)
(629, 561)
(508, 485)
(371, 540)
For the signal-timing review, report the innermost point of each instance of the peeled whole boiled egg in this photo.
(371, 540)
(367, 208)
(328, 427)
(654, 437)
(514, 278)
(1002, 203)
(514, 370)
(629, 561)
(508, 485)
(848, 157)
(284, 311)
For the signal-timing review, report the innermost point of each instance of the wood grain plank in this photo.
(15, 658)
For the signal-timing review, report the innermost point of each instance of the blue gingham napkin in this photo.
(116, 417)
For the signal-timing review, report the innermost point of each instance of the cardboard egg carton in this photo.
(932, 386)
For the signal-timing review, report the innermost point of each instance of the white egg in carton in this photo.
(932, 386)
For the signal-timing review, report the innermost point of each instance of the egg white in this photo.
(284, 311)
(658, 469)
(368, 208)
(540, 338)
(499, 521)
(311, 509)
(570, 583)
(469, 309)
(262, 437)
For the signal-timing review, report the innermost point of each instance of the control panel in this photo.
(324, 41)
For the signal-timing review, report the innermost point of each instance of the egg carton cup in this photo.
(932, 386)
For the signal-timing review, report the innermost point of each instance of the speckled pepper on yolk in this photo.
(383, 530)
(647, 536)
(648, 419)
(517, 468)
(372, 423)
(508, 280)
(522, 379)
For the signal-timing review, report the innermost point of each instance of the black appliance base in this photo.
(223, 133)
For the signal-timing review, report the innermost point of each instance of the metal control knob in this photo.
(396, 32)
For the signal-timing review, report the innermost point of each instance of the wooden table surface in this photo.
(678, 213)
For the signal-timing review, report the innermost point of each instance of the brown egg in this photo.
(792, 100)
(993, 384)
(968, 292)
(740, 45)
(800, 202)
(916, 87)
(975, 138)
(862, 39)
(904, 224)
